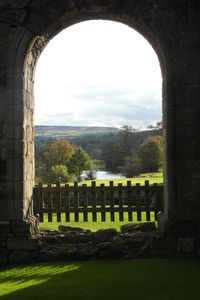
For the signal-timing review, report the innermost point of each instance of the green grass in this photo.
(155, 177)
(152, 279)
(93, 226)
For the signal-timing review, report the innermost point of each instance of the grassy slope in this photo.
(103, 280)
(152, 177)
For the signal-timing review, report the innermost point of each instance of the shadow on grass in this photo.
(103, 280)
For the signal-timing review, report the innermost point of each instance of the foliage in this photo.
(129, 139)
(58, 153)
(113, 155)
(59, 173)
(148, 157)
(79, 162)
(133, 166)
(150, 154)
(60, 161)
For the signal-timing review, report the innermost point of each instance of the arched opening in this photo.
(29, 55)
(98, 73)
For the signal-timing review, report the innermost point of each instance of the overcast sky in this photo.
(98, 73)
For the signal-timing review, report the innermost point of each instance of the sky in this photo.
(98, 73)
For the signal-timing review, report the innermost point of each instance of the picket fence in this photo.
(83, 199)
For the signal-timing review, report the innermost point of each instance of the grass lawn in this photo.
(93, 226)
(152, 279)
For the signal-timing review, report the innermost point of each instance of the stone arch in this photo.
(172, 29)
(40, 42)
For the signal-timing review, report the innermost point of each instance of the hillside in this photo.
(71, 132)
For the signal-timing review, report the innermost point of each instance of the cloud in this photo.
(110, 79)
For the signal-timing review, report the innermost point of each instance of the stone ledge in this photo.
(22, 244)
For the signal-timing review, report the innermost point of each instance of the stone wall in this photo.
(173, 29)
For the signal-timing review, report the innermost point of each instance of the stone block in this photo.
(193, 95)
(104, 235)
(20, 227)
(20, 256)
(5, 228)
(3, 256)
(22, 244)
(196, 151)
(133, 227)
(186, 245)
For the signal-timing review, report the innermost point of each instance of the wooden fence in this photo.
(101, 199)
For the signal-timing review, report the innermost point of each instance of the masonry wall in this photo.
(172, 28)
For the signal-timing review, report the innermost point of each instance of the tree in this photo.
(150, 154)
(58, 173)
(79, 162)
(113, 155)
(133, 166)
(128, 138)
(58, 153)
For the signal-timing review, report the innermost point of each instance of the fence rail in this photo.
(83, 199)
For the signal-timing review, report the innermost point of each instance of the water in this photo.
(108, 175)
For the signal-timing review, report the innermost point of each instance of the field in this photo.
(93, 226)
(152, 279)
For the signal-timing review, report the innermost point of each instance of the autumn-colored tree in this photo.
(58, 153)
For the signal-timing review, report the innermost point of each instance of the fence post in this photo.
(85, 203)
(102, 196)
(40, 202)
(49, 205)
(120, 195)
(147, 200)
(76, 198)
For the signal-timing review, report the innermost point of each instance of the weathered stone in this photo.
(104, 246)
(183, 228)
(5, 228)
(135, 227)
(66, 229)
(22, 244)
(3, 256)
(104, 235)
(20, 228)
(186, 245)
(20, 256)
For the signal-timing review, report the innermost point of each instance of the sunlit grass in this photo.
(18, 278)
(152, 279)
(93, 226)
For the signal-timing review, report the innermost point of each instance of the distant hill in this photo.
(72, 132)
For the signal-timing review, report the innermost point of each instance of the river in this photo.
(107, 175)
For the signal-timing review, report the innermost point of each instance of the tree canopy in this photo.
(79, 162)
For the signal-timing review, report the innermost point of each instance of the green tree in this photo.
(113, 155)
(129, 139)
(133, 166)
(79, 162)
(58, 173)
(150, 154)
